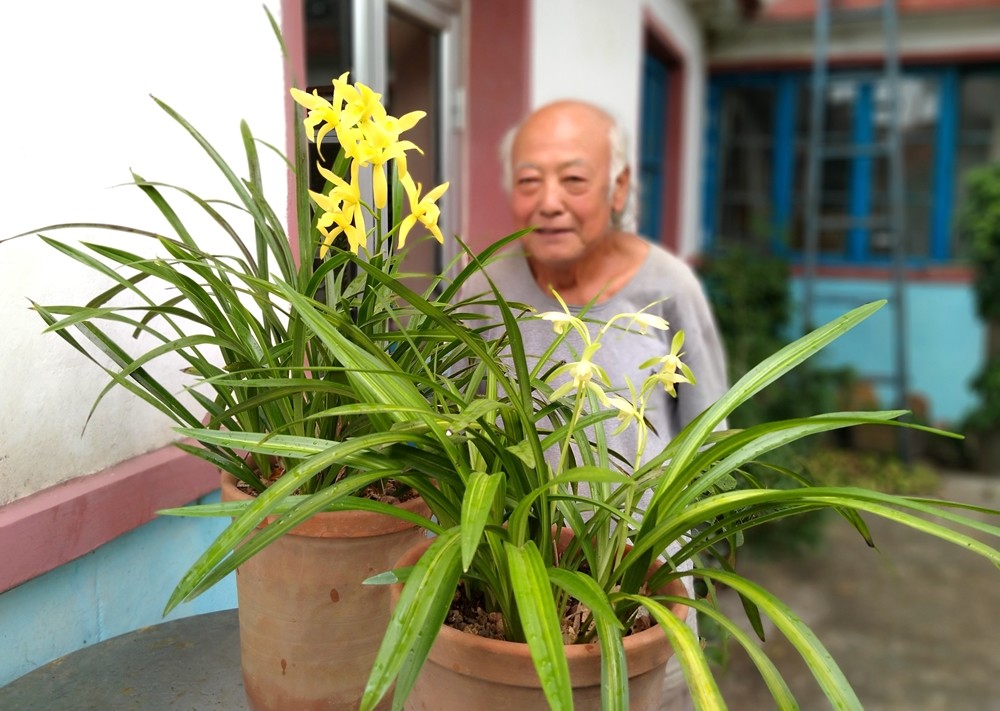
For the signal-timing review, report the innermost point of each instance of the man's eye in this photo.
(527, 182)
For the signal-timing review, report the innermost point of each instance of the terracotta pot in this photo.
(465, 672)
(309, 630)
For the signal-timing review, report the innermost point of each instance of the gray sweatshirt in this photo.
(662, 275)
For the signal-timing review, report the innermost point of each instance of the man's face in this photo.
(561, 161)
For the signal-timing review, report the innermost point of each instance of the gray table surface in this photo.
(190, 664)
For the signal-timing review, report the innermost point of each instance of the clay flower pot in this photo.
(465, 672)
(309, 629)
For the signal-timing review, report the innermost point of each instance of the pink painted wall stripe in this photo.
(52, 527)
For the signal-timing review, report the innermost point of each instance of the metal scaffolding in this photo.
(822, 148)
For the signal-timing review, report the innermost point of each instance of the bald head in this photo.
(596, 121)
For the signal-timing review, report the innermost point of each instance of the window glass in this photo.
(919, 112)
(855, 186)
(327, 32)
(747, 137)
(414, 85)
(835, 200)
(328, 42)
(651, 148)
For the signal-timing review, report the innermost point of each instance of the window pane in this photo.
(328, 42)
(651, 148)
(841, 97)
(747, 144)
(414, 85)
(835, 200)
(919, 109)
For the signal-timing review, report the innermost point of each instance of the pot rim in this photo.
(471, 655)
(336, 524)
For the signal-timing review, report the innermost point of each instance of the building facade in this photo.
(756, 162)
(86, 558)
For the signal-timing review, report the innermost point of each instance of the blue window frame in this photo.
(756, 140)
(652, 156)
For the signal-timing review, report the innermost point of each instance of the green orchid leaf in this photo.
(471, 413)
(525, 451)
(704, 691)
(614, 670)
(526, 505)
(232, 547)
(750, 444)
(533, 592)
(769, 673)
(414, 623)
(389, 577)
(693, 437)
(246, 199)
(480, 494)
(231, 464)
(819, 661)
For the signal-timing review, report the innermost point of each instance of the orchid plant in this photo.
(257, 366)
(476, 451)
(499, 450)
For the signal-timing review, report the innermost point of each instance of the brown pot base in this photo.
(465, 672)
(309, 629)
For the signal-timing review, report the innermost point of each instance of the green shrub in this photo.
(980, 228)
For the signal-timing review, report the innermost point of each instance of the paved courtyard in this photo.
(915, 627)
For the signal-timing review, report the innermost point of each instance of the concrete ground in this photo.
(914, 627)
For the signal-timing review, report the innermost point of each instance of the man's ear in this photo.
(619, 194)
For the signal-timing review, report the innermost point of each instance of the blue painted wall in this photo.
(945, 339)
(120, 587)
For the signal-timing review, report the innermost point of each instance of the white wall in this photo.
(928, 33)
(593, 51)
(76, 117)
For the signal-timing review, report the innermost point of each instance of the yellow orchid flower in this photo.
(380, 143)
(321, 111)
(422, 210)
(645, 321)
(669, 380)
(340, 222)
(560, 321)
(359, 101)
(350, 139)
(565, 318)
(672, 371)
(582, 375)
(627, 413)
(383, 132)
(341, 209)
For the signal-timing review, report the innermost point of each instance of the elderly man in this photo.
(568, 177)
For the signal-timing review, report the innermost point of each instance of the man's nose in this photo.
(551, 202)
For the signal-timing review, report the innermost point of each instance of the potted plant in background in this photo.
(308, 628)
